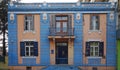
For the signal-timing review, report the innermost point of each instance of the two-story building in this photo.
(56, 36)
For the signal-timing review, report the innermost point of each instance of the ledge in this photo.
(67, 37)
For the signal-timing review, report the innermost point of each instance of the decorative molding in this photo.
(112, 16)
(44, 16)
(44, 3)
(59, 12)
(78, 3)
(11, 3)
(94, 40)
(29, 40)
(11, 16)
(78, 16)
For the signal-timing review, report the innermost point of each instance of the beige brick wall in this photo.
(28, 35)
(24, 67)
(99, 35)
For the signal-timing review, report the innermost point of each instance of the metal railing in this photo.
(61, 32)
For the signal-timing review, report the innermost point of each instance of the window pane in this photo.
(27, 49)
(91, 49)
(96, 53)
(31, 53)
(91, 54)
(26, 25)
(31, 25)
(31, 43)
(31, 49)
(58, 26)
(64, 26)
(96, 49)
(27, 53)
(58, 18)
(64, 18)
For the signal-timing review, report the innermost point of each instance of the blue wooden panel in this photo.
(111, 42)
(94, 61)
(29, 61)
(44, 46)
(78, 41)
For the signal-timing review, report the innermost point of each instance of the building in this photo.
(118, 37)
(49, 36)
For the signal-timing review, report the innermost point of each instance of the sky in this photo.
(31, 1)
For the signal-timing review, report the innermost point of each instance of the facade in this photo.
(55, 36)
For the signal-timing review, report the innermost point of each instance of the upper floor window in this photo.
(94, 24)
(29, 48)
(29, 23)
(94, 49)
(61, 23)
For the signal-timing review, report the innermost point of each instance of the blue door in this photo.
(61, 53)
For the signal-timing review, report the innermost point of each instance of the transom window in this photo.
(29, 48)
(94, 48)
(29, 23)
(94, 25)
(61, 23)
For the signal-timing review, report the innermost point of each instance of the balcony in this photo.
(61, 33)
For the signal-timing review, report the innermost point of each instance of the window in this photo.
(29, 48)
(94, 49)
(94, 25)
(29, 23)
(61, 23)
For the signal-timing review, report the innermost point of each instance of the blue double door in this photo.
(62, 53)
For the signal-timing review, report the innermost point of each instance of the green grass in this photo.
(118, 55)
(4, 66)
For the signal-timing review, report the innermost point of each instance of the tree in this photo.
(3, 23)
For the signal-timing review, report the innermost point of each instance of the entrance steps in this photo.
(61, 67)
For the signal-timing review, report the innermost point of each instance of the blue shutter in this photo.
(101, 49)
(35, 48)
(22, 49)
(87, 53)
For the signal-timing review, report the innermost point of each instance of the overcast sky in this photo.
(31, 1)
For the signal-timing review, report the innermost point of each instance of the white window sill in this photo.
(90, 31)
(94, 57)
(29, 57)
(29, 32)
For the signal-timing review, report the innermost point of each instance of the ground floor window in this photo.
(94, 48)
(29, 48)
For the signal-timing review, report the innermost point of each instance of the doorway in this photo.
(61, 53)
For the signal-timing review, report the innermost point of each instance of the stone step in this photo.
(61, 67)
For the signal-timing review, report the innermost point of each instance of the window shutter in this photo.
(35, 48)
(22, 49)
(87, 53)
(69, 24)
(101, 49)
(52, 25)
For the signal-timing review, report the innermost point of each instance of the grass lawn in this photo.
(4, 66)
(118, 55)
